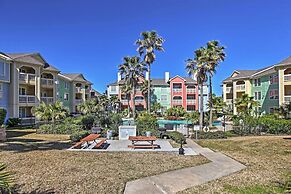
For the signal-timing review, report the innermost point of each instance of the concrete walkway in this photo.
(178, 180)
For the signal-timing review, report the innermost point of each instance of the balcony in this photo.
(287, 98)
(47, 82)
(287, 78)
(177, 90)
(191, 90)
(47, 100)
(26, 99)
(177, 102)
(228, 90)
(88, 90)
(78, 90)
(228, 101)
(124, 101)
(27, 78)
(78, 101)
(139, 101)
(191, 101)
(240, 88)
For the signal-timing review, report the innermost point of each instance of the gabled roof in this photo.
(286, 61)
(33, 58)
(159, 82)
(188, 80)
(6, 57)
(113, 84)
(240, 74)
(79, 77)
(49, 67)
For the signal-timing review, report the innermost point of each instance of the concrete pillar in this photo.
(234, 97)
(281, 87)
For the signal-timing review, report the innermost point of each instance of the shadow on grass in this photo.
(19, 133)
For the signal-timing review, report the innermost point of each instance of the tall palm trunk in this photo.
(210, 102)
(201, 107)
(128, 104)
(133, 101)
(149, 88)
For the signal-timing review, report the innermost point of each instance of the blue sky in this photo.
(91, 36)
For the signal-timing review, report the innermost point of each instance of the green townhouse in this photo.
(270, 86)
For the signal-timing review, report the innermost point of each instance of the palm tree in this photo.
(42, 112)
(114, 103)
(126, 89)
(245, 104)
(214, 55)
(5, 179)
(149, 43)
(156, 107)
(144, 90)
(58, 111)
(217, 103)
(88, 107)
(132, 70)
(285, 110)
(198, 67)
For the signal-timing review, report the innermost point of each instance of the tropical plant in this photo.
(214, 55)
(114, 103)
(218, 104)
(5, 179)
(175, 112)
(88, 107)
(146, 122)
(192, 117)
(132, 70)
(149, 43)
(3, 113)
(246, 104)
(198, 67)
(284, 110)
(156, 107)
(144, 90)
(42, 112)
(126, 89)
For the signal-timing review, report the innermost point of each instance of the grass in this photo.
(41, 165)
(268, 163)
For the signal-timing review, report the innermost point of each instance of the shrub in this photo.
(12, 122)
(176, 136)
(88, 122)
(3, 113)
(76, 136)
(115, 122)
(273, 125)
(147, 122)
(175, 112)
(210, 135)
(61, 128)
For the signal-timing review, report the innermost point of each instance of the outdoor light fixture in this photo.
(181, 149)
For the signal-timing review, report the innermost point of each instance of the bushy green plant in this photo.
(210, 135)
(88, 122)
(3, 113)
(115, 122)
(176, 136)
(12, 122)
(273, 125)
(61, 128)
(5, 179)
(76, 136)
(175, 113)
(146, 122)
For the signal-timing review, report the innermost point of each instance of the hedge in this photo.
(210, 135)
(62, 128)
(76, 136)
(275, 126)
(176, 136)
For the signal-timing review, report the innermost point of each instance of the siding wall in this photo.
(62, 91)
(158, 91)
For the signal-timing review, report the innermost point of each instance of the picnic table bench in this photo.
(135, 142)
(87, 139)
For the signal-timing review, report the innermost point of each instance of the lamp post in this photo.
(224, 125)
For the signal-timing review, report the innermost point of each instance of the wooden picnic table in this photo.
(135, 142)
(91, 137)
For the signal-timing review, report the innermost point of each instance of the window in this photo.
(274, 79)
(66, 85)
(2, 68)
(164, 89)
(66, 96)
(258, 95)
(22, 112)
(1, 87)
(113, 88)
(274, 94)
(22, 91)
(164, 98)
(257, 82)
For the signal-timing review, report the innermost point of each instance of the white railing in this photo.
(287, 78)
(26, 77)
(78, 101)
(228, 90)
(190, 90)
(177, 101)
(26, 99)
(78, 90)
(138, 101)
(47, 100)
(191, 101)
(47, 82)
(177, 89)
(287, 98)
(27, 120)
(228, 101)
(241, 87)
(124, 101)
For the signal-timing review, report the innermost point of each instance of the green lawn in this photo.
(41, 165)
(268, 161)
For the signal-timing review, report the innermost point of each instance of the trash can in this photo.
(148, 133)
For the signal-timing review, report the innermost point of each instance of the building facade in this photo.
(270, 86)
(169, 92)
(26, 80)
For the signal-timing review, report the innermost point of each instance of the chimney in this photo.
(147, 76)
(167, 76)
(118, 76)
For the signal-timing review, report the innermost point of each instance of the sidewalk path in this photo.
(178, 180)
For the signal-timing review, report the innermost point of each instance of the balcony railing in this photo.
(228, 101)
(26, 99)
(27, 77)
(88, 90)
(287, 78)
(177, 90)
(78, 101)
(78, 90)
(177, 102)
(47, 82)
(287, 98)
(191, 101)
(191, 90)
(228, 90)
(124, 101)
(138, 101)
(47, 100)
(241, 87)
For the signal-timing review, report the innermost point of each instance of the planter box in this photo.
(2, 134)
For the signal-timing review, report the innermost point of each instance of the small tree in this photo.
(5, 179)
(3, 113)
(146, 122)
